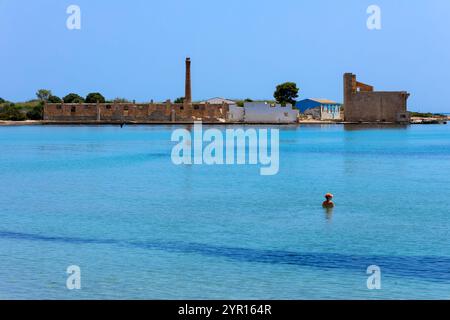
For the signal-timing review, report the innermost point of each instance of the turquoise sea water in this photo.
(110, 201)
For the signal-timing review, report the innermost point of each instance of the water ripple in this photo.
(431, 268)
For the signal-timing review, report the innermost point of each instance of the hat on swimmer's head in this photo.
(329, 196)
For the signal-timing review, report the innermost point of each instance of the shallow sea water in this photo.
(110, 200)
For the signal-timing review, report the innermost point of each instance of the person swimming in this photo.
(328, 203)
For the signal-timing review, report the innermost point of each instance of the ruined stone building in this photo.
(363, 104)
(142, 113)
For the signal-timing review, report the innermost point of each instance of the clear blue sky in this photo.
(240, 48)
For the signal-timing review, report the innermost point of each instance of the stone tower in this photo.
(349, 87)
(363, 104)
(187, 90)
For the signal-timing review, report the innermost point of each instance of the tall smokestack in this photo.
(187, 91)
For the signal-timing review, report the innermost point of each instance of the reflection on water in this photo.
(328, 213)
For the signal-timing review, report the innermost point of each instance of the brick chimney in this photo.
(187, 91)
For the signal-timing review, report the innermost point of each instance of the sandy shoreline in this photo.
(34, 123)
(106, 123)
(109, 123)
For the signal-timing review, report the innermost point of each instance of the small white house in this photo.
(264, 112)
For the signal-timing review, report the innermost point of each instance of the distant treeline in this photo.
(426, 115)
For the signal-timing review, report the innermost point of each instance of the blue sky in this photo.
(239, 48)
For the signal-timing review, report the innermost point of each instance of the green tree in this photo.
(95, 97)
(179, 100)
(73, 98)
(43, 94)
(2, 100)
(286, 93)
(37, 113)
(54, 99)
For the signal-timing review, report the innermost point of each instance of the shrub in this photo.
(73, 98)
(37, 113)
(11, 113)
(54, 99)
(179, 100)
(95, 97)
(120, 100)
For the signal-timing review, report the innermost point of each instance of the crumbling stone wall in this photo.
(129, 112)
(363, 104)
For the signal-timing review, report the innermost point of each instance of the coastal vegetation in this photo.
(286, 93)
(425, 115)
(9, 111)
(119, 100)
(54, 99)
(30, 110)
(43, 94)
(33, 109)
(95, 97)
(73, 98)
(37, 113)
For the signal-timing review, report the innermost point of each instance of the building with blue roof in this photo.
(320, 109)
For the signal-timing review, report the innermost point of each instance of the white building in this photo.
(257, 112)
(218, 100)
(264, 112)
